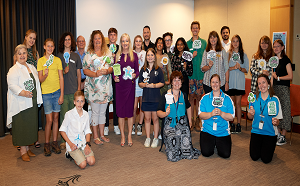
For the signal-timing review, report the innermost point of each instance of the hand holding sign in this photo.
(67, 57)
(251, 98)
(117, 69)
(49, 61)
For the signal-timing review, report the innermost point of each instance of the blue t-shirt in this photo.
(205, 105)
(261, 106)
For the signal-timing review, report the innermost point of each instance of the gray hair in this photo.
(19, 47)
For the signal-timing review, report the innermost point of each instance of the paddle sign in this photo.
(49, 62)
(172, 49)
(217, 101)
(211, 55)
(107, 60)
(235, 57)
(273, 62)
(28, 84)
(197, 44)
(262, 64)
(117, 69)
(112, 48)
(169, 98)
(67, 57)
(164, 61)
(146, 77)
(272, 108)
(128, 72)
(251, 98)
(187, 56)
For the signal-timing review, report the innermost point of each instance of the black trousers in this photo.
(115, 117)
(208, 143)
(262, 146)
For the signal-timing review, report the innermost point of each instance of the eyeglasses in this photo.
(168, 40)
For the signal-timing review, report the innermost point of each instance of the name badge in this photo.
(261, 125)
(71, 60)
(214, 126)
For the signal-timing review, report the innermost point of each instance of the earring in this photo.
(268, 86)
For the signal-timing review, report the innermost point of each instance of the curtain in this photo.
(49, 18)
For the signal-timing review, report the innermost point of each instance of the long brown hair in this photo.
(146, 64)
(259, 54)
(34, 51)
(91, 49)
(279, 41)
(241, 50)
(271, 90)
(218, 46)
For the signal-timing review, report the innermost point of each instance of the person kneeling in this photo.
(76, 132)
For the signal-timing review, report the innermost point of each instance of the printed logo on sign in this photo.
(28, 84)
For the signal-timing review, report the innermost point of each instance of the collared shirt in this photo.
(76, 127)
(151, 45)
(81, 58)
(259, 106)
(16, 76)
(205, 105)
(226, 46)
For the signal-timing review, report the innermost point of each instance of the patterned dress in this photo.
(97, 89)
(256, 71)
(30, 58)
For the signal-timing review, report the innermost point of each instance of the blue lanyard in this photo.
(176, 106)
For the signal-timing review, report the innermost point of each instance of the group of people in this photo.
(157, 78)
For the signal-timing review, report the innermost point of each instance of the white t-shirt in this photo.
(226, 46)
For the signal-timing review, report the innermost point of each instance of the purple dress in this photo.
(125, 89)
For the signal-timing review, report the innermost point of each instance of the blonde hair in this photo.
(19, 47)
(121, 48)
(104, 47)
(34, 51)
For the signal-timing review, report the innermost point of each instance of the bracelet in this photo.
(88, 143)
(278, 78)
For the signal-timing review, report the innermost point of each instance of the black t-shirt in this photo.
(281, 71)
(151, 45)
(162, 102)
(116, 46)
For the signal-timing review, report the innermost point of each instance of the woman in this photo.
(263, 53)
(238, 66)
(51, 77)
(182, 65)
(178, 117)
(214, 61)
(97, 66)
(281, 83)
(138, 48)
(216, 110)
(151, 79)
(264, 130)
(163, 62)
(23, 97)
(125, 86)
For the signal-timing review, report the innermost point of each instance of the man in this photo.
(168, 38)
(81, 52)
(196, 80)
(225, 33)
(112, 36)
(147, 35)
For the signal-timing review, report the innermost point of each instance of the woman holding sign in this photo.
(182, 61)
(151, 79)
(126, 70)
(51, 77)
(215, 61)
(216, 110)
(23, 97)
(281, 83)
(238, 66)
(175, 108)
(265, 112)
(259, 63)
(97, 66)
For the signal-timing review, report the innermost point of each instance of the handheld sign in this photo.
(217, 101)
(197, 44)
(273, 62)
(164, 61)
(97, 64)
(67, 57)
(235, 57)
(211, 55)
(146, 77)
(187, 56)
(251, 98)
(169, 98)
(262, 64)
(117, 69)
(28, 84)
(49, 61)
(272, 108)
(172, 49)
(112, 48)
(128, 72)
(107, 60)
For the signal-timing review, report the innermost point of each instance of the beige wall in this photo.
(249, 19)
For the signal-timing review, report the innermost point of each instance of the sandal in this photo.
(37, 144)
(105, 139)
(122, 144)
(130, 144)
(18, 147)
(99, 141)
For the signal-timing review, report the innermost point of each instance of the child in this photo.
(76, 131)
(51, 77)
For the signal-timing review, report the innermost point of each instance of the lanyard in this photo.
(176, 106)
(261, 111)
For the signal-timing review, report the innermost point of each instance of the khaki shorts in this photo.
(79, 156)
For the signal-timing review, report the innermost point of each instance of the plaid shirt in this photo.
(256, 71)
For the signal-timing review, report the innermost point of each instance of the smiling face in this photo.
(215, 83)
(160, 45)
(67, 42)
(235, 43)
(195, 30)
(168, 41)
(125, 43)
(180, 46)
(277, 48)
(262, 84)
(138, 43)
(225, 34)
(49, 47)
(264, 45)
(213, 41)
(176, 83)
(30, 40)
(150, 57)
(97, 41)
(146, 34)
(112, 38)
(80, 42)
(21, 56)
(79, 102)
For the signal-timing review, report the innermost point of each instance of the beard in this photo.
(225, 37)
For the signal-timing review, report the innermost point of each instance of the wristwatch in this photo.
(278, 78)
(88, 143)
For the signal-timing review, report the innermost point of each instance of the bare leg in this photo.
(121, 125)
(49, 120)
(147, 123)
(23, 150)
(55, 125)
(136, 99)
(95, 132)
(130, 123)
(238, 108)
(234, 100)
(155, 124)
(141, 112)
(91, 160)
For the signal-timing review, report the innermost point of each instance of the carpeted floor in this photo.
(138, 165)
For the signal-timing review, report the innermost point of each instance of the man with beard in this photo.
(225, 33)
(146, 35)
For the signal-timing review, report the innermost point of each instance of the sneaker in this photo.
(117, 130)
(55, 147)
(159, 137)
(133, 129)
(68, 156)
(47, 151)
(106, 131)
(139, 129)
(238, 128)
(147, 142)
(232, 128)
(154, 143)
(62, 146)
(281, 140)
(278, 136)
